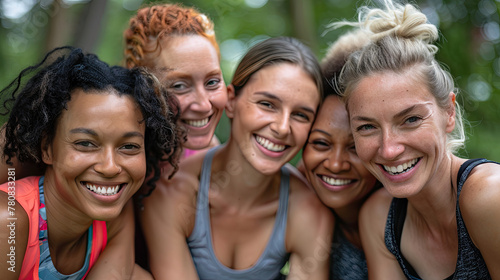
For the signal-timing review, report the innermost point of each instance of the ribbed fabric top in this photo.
(347, 261)
(200, 241)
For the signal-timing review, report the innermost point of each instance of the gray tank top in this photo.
(207, 265)
(470, 263)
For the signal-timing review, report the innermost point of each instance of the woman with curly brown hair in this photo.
(178, 45)
(99, 132)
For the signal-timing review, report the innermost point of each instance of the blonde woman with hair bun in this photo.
(437, 215)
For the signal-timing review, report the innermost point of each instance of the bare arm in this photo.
(309, 235)
(14, 236)
(481, 211)
(167, 215)
(381, 263)
(118, 259)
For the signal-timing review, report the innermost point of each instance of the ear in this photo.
(231, 101)
(451, 113)
(46, 152)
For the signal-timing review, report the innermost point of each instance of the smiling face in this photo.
(272, 114)
(332, 165)
(189, 66)
(400, 131)
(97, 159)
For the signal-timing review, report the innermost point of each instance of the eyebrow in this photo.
(320, 131)
(183, 74)
(406, 111)
(272, 96)
(398, 115)
(93, 133)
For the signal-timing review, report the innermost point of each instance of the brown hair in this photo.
(337, 55)
(277, 50)
(151, 24)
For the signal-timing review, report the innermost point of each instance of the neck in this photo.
(236, 181)
(436, 204)
(66, 225)
(347, 220)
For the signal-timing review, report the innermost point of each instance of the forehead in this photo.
(287, 81)
(332, 113)
(180, 51)
(99, 107)
(387, 91)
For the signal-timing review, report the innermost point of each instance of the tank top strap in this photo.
(206, 170)
(282, 213)
(465, 170)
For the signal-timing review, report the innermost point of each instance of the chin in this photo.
(197, 145)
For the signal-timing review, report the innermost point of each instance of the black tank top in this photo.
(470, 263)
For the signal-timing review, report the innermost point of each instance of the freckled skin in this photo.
(189, 65)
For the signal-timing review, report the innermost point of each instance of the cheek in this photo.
(183, 102)
(311, 158)
(364, 148)
(301, 131)
(363, 172)
(72, 161)
(219, 99)
(137, 167)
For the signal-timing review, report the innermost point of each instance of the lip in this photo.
(191, 127)
(104, 198)
(269, 153)
(336, 188)
(397, 178)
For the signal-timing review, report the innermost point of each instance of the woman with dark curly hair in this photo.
(178, 45)
(99, 131)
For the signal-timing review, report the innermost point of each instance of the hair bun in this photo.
(404, 21)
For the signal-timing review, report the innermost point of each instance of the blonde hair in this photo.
(401, 40)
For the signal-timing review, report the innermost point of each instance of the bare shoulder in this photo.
(481, 190)
(308, 216)
(182, 185)
(14, 231)
(375, 209)
(303, 199)
(173, 201)
(480, 210)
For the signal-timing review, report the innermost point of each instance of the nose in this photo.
(391, 146)
(107, 164)
(281, 125)
(201, 101)
(337, 160)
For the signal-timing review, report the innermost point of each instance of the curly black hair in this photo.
(34, 108)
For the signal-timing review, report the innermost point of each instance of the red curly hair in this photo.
(150, 24)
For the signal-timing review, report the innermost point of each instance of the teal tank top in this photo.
(271, 261)
(47, 269)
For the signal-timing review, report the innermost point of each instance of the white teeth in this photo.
(402, 168)
(197, 123)
(103, 190)
(269, 145)
(336, 182)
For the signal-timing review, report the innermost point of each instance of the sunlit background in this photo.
(469, 44)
